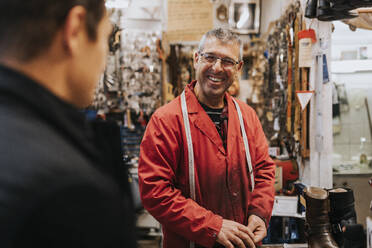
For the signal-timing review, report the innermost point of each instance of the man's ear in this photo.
(196, 59)
(240, 65)
(74, 29)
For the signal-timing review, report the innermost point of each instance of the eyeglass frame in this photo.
(226, 59)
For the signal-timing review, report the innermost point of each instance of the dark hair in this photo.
(224, 35)
(28, 27)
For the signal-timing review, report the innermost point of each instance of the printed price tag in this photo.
(306, 39)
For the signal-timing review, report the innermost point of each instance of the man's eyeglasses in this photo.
(212, 59)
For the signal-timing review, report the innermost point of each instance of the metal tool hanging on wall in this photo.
(279, 112)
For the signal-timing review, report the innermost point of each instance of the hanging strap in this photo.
(246, 145)
(190, 148)
(189, 145)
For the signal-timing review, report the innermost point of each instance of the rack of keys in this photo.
(130, 89)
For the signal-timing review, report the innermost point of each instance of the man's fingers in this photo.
(224, 240)
(247, 231)
(236, 240)
(259, 237)
(252, 225)
(258, 226)
(260, 234)
(246, 239)
(226, 243)
(235, 235)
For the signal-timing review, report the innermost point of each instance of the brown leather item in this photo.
(317, 219)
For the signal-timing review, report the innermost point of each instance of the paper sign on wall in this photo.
(306, 39)
(188, 20)
(304, 97)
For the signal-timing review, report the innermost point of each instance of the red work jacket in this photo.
(221, 176)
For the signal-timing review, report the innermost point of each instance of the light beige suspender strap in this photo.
(191, 150)
(246, 145)
(189, 146)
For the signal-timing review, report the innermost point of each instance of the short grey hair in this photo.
(223, 35)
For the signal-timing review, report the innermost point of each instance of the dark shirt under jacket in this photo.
(61, 179)
(220, 119)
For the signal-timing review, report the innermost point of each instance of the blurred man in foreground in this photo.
(61, 183)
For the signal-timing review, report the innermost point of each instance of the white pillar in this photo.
(319, 171)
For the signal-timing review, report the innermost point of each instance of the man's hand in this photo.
(233, 234)
(257, 226)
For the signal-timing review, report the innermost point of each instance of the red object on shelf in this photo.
(289, 173)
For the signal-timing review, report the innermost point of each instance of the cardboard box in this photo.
(278, 179)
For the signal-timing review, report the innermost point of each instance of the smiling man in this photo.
(204, 168)
(61, 182)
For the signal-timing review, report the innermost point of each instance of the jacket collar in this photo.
(201, 119)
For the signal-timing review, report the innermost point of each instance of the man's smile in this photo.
(215, 79)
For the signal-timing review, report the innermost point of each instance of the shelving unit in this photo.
(286, 207)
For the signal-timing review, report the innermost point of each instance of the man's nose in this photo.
(218, 65)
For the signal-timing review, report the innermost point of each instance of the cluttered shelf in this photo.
(352, 170)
